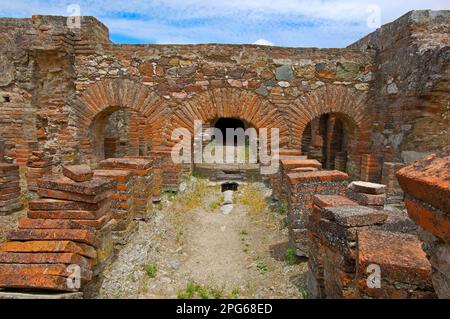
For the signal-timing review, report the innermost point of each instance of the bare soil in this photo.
(202, 253)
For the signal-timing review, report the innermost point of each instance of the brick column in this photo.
(302, 186)
(141, 167)
(10, 192)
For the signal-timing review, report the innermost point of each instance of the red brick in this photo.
(77, 235)
(45, 258)
(39, 281)
(429, 180)
(319, 176)
(429, 218)
(78, 173)
(332, 200)
(49, 247)
(41, 269)
(400, 257)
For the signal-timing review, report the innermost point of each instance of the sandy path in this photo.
(235, 255)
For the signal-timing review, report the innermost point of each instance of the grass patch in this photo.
(213, 205)
(291, 257)
(151, 270)
(253, 199)
(193, 198)
(234, 293)
(262, 266)
(283, 208)
(194, 290)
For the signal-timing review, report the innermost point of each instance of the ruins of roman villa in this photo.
(92, 204)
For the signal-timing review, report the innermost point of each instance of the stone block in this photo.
(78, 173)
(404, 267)
(355, 216)
(323, 201)
(367, 187)
(367, 199)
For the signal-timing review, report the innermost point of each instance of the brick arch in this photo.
(329, 99)
(104, 97)
(230, 103)
(349, 105)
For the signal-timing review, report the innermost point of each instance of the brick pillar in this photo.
(38, 166)
(371, 168)
(122, 207)
(315, 276)
(141, 167)
(333, 227)
(10, 192)
(393, 189)
(301, 189)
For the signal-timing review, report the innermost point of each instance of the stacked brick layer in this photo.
(301, 189)
(393, 190)
(122, 207)
(332, 227)
(367, 194)
(290, 163)
(371, 168)
(10, 192)
(427, 187)
(38, 166)
(70, 225)
(142, 170)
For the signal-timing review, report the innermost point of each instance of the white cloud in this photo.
(323, 23)
(263, 42)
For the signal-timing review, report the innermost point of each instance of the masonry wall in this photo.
(411, 91)
(57, 82)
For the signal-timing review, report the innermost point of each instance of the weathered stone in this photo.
(354, 216)
(367, 199)
(367, 187)
(400, 261)
(284, 73)
(78, 173)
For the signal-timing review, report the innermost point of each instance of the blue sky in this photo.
(296, 23)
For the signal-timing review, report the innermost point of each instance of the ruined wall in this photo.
(392, 86)
(411, 91)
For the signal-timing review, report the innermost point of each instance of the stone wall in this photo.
(59, 86)
(411, 91)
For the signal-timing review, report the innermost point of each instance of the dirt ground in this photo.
(190, 249)
(9, 223)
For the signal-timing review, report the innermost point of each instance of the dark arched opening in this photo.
(119, 132)
(229, 123)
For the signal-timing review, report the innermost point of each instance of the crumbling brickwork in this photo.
(427, 187)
